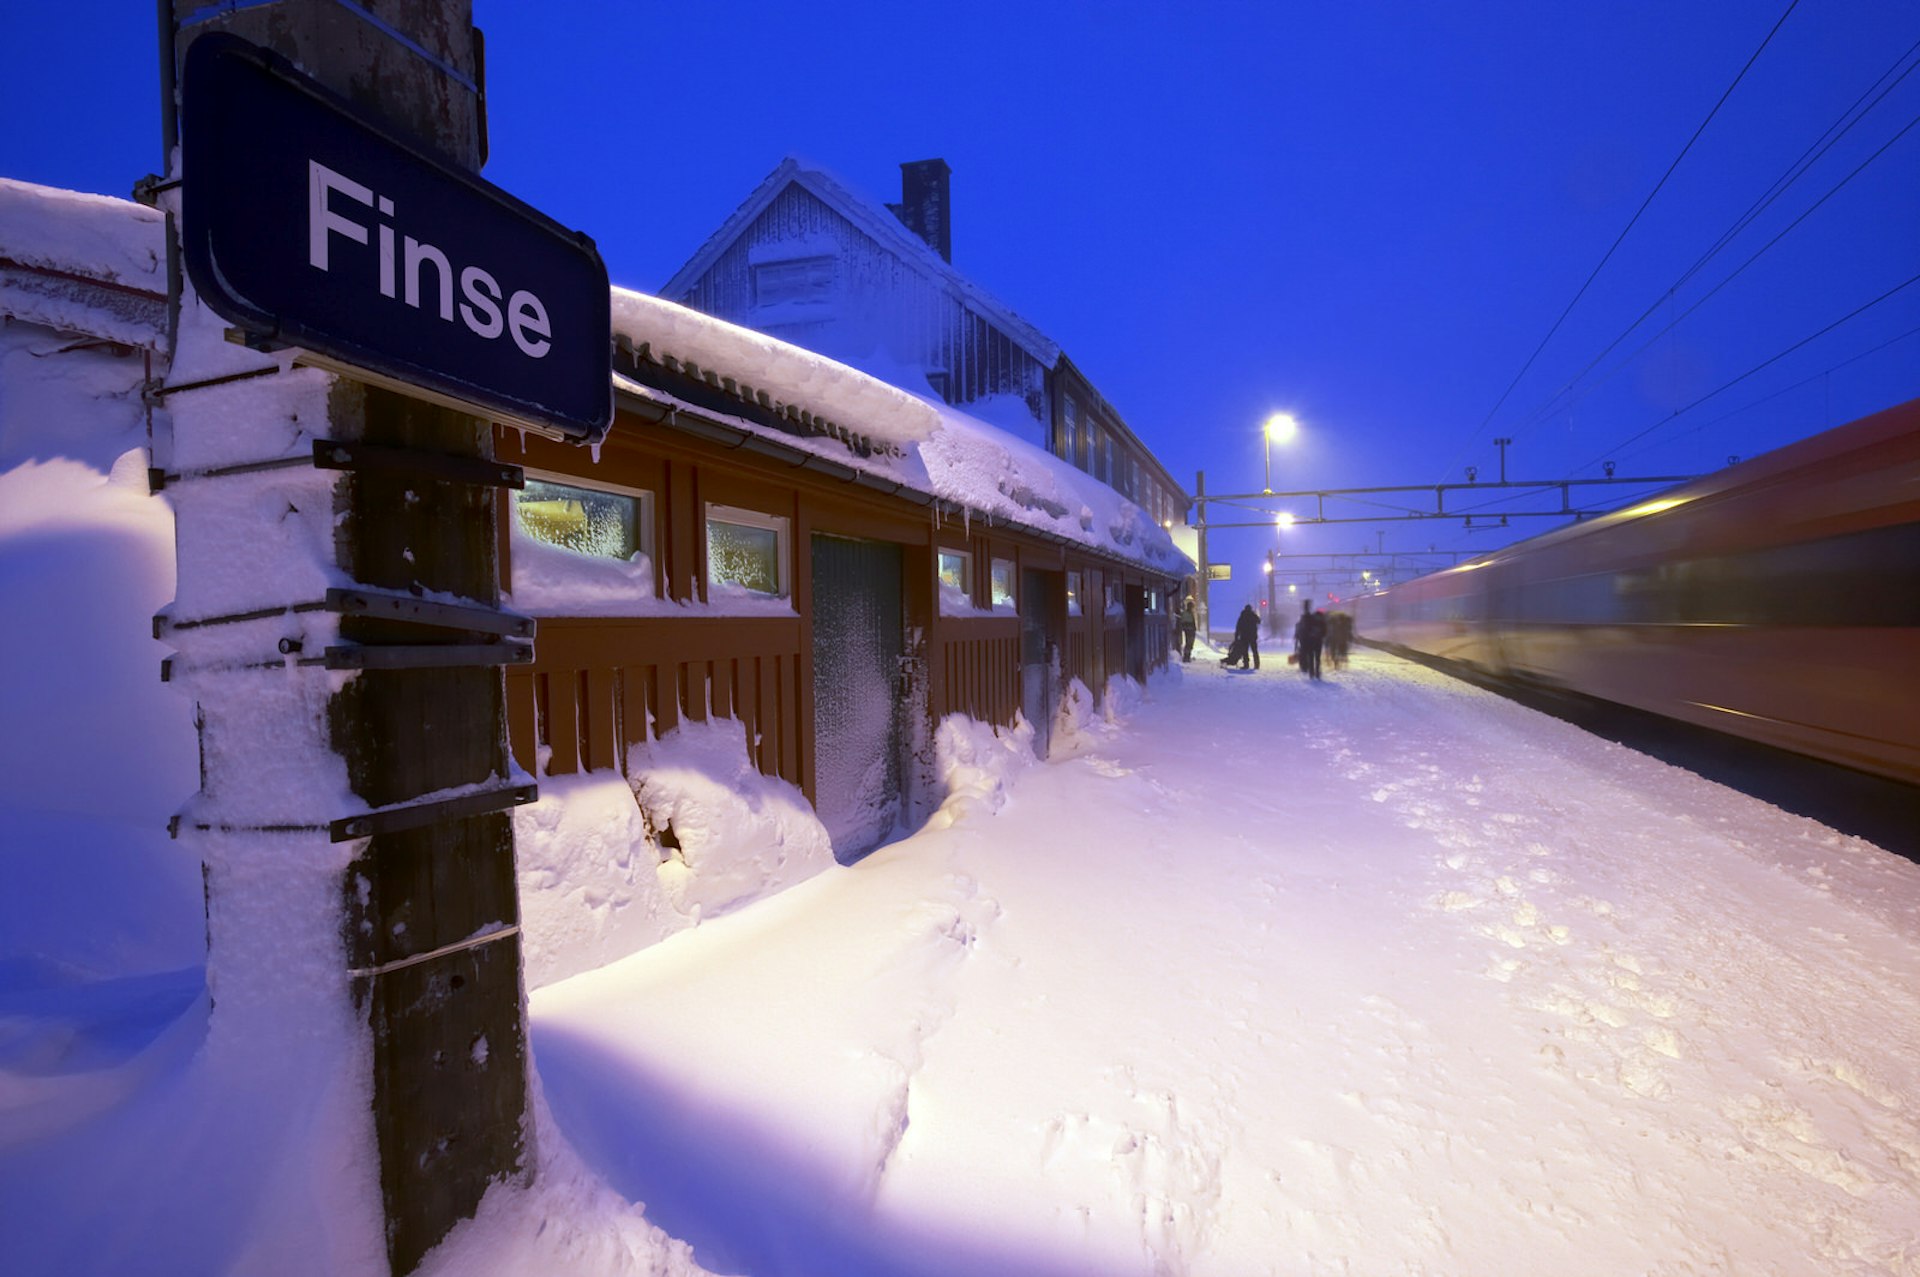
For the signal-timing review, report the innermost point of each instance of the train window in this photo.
(1856, 579)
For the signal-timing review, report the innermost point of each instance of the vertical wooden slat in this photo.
(694, 676)
(633, 705)
(791, 709)
(746, 699)
(522, 723)
(796, 730)
(663, 695)
(720, 688)
(563, 723)
(756, 696)
(598, 722)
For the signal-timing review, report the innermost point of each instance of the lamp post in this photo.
(1279, 426)
(1272, 625)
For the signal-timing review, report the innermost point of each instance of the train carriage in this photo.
(1777, 600)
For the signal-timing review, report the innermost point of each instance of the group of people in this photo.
(1318, 631)
(1315, 633)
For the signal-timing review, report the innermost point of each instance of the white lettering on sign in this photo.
(524, 316)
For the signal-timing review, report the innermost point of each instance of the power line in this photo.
(1798, 169)
(1632, 221)
(1765, 363)
(1677, 320)
(1804, 381)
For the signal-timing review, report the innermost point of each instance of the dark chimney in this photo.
(923, 205)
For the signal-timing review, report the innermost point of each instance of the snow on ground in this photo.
(1381, 975)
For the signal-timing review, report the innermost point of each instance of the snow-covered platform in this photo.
(1383, 974)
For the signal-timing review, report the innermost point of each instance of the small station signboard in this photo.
(307, 224)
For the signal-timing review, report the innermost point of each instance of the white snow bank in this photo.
(730, 833)
(599, 878)
(589, 889)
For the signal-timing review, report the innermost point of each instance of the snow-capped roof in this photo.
(756, 362)
(880, 225)
(924, 446)
(80, 263)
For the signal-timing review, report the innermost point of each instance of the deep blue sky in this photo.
(1368, 214)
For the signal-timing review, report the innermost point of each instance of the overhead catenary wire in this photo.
(1628, 228)
(1704, 298)
(1768, 398)
(1817, 149)
(1763, 364)
(1553, 403)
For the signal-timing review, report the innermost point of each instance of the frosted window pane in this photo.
(605, 524)
(953, 570)
(1073, 594)
(744, 555)
(1002, 582)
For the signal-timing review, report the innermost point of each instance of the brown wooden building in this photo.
(796, 567)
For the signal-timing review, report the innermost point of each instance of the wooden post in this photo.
(423, 920)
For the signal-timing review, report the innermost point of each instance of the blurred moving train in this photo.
(1777, 600)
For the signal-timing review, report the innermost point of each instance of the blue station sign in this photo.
(305, 223)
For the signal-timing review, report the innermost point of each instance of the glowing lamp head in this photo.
(1267, 567)
(1281, 427)
(1283, 520)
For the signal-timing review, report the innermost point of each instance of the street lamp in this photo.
(1283, 427)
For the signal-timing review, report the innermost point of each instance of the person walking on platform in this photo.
(1246, 640)
(1185, 625)
(1309, 633)
(1339, 638)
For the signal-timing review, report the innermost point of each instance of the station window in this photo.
(1003, 583)
(1073, 594)
(748, 549)
(956, 570)
(601, 522)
